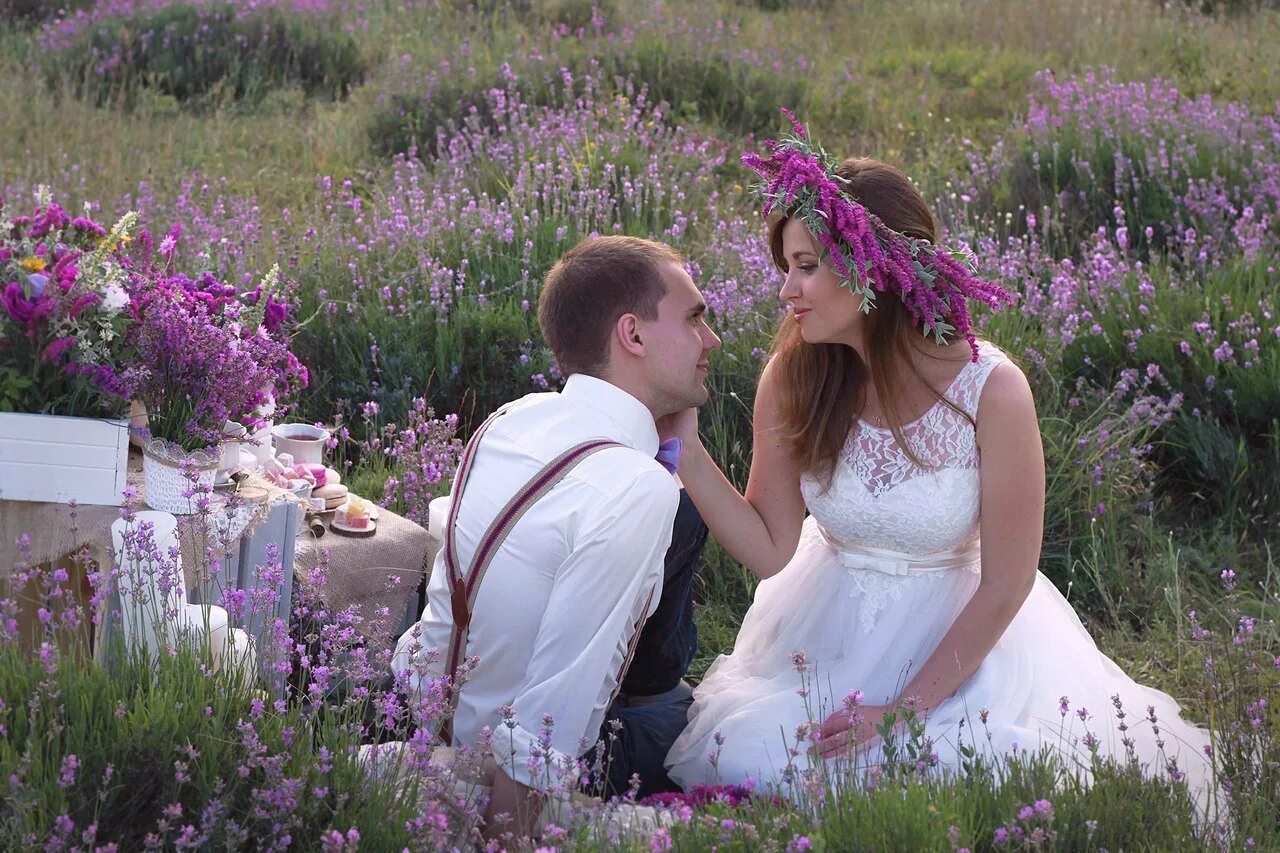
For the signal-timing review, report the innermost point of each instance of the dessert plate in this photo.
(347, 530)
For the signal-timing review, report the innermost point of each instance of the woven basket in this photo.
(165, 480)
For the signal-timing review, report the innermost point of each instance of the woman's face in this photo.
(825, 310)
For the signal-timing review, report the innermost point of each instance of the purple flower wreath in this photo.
(799, 178)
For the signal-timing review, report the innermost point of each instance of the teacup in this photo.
(304, 442)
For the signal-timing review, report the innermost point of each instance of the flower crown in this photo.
(799, 178)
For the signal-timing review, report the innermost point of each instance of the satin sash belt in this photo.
(864, 557)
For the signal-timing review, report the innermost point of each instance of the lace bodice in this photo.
(881, 499)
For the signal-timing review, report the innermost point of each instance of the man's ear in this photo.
(627, 333)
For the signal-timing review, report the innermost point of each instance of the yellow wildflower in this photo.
(34, 264)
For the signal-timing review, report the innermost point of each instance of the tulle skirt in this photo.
(817, 631)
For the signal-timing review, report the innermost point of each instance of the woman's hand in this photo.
(849, 730)
(760, 528)
(682, 425)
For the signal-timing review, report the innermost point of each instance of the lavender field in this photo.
(414, 168)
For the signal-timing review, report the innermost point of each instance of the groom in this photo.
(561, 508)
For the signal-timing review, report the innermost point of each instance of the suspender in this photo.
(464, 588)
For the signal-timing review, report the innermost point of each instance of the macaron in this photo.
(332, 494)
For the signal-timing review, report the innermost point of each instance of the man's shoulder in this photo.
(623, 471)
(544, 425)
(622, 475)
(548, 423)
(619, 497)
(529, 401)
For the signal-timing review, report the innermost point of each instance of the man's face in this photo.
(677, 345)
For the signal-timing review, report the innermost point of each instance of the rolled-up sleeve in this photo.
(613, 572)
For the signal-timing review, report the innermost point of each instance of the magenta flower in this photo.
(799, 179)
(54, 351)
(54, 327)
(22, 309)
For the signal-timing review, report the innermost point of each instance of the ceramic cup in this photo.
(304, 442)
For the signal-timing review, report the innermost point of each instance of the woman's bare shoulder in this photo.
(1006, 401)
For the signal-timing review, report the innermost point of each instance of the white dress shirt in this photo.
(556, 612)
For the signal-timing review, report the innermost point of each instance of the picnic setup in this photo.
(376, 559)
(583, 425)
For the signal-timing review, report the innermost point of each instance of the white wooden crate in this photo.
(59, 459)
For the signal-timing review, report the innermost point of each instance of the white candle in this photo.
(238, 653)
(206, 625)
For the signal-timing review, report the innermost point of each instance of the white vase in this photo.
(166, 482)
(147, 613)
(156, 620)
(259, 443)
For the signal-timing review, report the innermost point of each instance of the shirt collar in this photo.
(633, 417)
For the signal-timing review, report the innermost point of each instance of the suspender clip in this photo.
(458, 600)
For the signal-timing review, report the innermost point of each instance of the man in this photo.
(558, 615)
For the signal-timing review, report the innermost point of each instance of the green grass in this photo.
(903, 81)
(206, 56)
(130, 727)
(892, 102)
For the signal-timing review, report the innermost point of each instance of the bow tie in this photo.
(669, 454)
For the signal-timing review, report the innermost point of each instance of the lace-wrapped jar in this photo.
(173, 475)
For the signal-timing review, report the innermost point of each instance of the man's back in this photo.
(562, 599)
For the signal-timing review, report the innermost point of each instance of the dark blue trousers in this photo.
(640, 744)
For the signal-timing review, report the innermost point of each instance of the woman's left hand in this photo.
(845, 732)
(682, 425)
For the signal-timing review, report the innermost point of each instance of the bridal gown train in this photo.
(886, 561)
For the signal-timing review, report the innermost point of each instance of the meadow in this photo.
(416, 167)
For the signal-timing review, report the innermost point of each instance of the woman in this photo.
(914, 579)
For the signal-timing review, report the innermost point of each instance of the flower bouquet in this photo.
(62, 316)
(200, 354)
(61, 310)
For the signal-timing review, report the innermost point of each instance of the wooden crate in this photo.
(60, 459)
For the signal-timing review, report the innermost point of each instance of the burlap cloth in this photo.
(380, 574)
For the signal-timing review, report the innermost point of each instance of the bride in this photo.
(913, 579)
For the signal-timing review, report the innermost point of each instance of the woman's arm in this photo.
(761, 528)
(1013, 483)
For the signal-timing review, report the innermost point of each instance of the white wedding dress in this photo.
(886, 561)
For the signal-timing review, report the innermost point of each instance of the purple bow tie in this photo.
(669, 454)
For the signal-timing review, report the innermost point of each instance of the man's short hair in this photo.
(590, 287)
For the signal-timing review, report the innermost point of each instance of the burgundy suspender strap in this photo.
(464, 588)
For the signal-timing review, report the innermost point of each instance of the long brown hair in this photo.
(822, 387)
